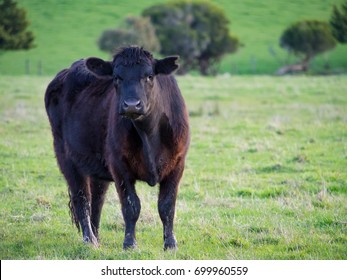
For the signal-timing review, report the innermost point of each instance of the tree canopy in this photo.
(338, 22)
(13, 25)
(308, 39)
(197, 31)
(135, 31)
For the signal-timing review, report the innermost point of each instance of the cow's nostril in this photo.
(138, 105)
(132, 105)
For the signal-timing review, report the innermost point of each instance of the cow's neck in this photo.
(148, 132)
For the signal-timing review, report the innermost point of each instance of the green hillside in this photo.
(68, 30)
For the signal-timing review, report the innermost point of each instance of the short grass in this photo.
(68, 30)
(265, 176)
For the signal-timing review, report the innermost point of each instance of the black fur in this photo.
(126, 126)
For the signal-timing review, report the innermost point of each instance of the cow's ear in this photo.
(166, 65)
(100, 68)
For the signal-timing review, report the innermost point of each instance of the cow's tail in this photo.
(73, 214)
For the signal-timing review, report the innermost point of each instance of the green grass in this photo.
(265, 176)
(68, 30)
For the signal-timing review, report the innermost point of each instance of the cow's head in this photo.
(134, 72)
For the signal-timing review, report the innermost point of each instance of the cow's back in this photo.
(53, 100)
(66, 85)
(76, 104)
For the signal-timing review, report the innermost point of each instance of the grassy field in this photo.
(68, 30)
(265, 176)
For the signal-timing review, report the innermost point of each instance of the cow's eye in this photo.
(149, 78)
(117, 80)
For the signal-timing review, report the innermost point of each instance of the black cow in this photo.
(119, 121)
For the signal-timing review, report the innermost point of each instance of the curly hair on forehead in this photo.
(128, 56)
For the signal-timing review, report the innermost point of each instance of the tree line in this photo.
(198, 31)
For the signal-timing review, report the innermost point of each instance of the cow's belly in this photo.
(85, 149)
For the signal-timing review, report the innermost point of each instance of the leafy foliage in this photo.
(338, 22)
(308, 38)
(197, 31)
(136, 31)
(13, 24)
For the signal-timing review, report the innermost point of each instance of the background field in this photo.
(265, 176)
(68, 30)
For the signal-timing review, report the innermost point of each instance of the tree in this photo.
(196, 30)
(338, 22)
(135, 31)
(13, 24)
(308, 39)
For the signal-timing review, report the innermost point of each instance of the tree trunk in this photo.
(204, 65)
(306, 62)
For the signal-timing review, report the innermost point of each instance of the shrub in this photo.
(338, 22)
(308, 39)
(197, 31)
(13, 24)
(136, 31)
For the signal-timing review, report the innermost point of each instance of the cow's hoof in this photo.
(129, 243)
(170, 243)
(91, 240)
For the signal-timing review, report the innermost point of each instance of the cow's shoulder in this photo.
(81, 82)
(79, 76)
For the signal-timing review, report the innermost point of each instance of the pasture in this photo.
(265, 176)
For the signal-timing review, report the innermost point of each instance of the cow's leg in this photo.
(166, 205)
(98, 190)
(131, 208)
(80, 200)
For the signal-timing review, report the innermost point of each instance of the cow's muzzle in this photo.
(132, 108)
